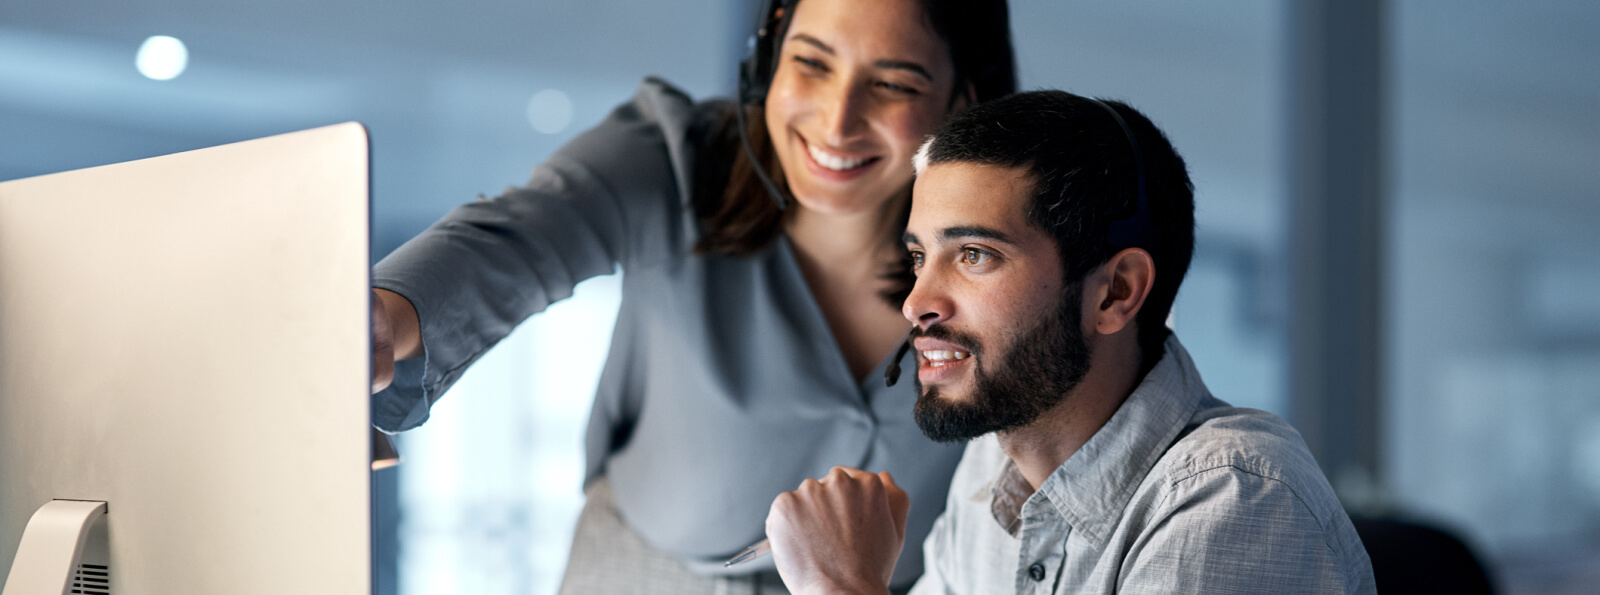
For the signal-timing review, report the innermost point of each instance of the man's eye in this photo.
(916, 260)
(974, 256)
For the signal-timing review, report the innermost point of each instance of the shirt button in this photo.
(1036, 572)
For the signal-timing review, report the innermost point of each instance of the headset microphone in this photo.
(891, 374)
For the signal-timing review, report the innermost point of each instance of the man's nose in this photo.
(928, 304)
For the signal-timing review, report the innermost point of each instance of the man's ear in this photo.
(1126, 281)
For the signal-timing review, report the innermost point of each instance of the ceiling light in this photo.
(162, 58)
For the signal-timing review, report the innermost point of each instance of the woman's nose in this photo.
(844, 113)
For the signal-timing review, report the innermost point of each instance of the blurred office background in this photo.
(1398, 206)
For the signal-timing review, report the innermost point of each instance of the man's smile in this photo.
(939, 360)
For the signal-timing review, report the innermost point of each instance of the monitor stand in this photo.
(63, 551)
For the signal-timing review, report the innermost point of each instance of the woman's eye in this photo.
(901, 89)
(811, 64)
(974, 256)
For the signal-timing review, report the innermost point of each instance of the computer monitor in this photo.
(185, 338)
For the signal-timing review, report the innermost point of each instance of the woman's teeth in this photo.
(940, 358)
(834, 162)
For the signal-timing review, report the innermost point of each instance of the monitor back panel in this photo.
(185, 338)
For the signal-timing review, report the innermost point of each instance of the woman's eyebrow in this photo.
(912, 67)
(905, 65)
(826, 49)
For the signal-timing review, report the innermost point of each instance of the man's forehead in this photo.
(968, 195)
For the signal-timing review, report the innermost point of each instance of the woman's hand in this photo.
(840, 534)
(396, 335)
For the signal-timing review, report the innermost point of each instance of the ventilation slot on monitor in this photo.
(91, 579)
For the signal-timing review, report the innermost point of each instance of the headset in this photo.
(1123, 233)
(1135, 230)
(755, 77)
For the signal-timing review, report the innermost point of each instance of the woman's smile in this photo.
(836, 166)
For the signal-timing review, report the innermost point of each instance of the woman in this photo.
(751, 343)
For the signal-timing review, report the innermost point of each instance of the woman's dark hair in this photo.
(737, 216)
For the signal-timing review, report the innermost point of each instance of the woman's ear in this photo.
(1128, 275)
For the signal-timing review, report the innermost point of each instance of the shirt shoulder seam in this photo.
(1322, 525)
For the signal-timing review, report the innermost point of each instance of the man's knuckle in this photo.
(783, 503)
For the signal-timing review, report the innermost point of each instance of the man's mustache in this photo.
(966, 342)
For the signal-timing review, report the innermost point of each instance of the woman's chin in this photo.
(840, 202)
(834, 206)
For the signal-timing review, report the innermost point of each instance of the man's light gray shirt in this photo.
(1178, 493)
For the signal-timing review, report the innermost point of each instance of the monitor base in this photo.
(63, 551)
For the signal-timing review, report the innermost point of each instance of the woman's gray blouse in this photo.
(724, 385)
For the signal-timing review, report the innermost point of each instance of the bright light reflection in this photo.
(162, 58)
(549, 111)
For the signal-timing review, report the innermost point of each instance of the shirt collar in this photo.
(1093, 486)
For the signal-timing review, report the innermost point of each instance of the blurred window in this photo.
(1492, 419)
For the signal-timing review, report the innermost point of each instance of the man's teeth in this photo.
(834, 162)
(939, 358)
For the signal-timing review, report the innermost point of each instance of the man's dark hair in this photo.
(1085, 177)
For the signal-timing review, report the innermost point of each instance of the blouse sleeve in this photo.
(612, 196)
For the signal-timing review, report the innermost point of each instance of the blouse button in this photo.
(1036, 572)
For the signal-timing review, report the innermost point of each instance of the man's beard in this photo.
(1042, 365)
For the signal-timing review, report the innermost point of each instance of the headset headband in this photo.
(1135, 230)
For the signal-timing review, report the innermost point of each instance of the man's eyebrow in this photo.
(912, 67)
(910, 238)
(826, 49)
(974, 231)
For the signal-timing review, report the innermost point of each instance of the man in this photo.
(1050, 233)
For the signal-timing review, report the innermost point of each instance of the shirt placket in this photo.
(1044, 535)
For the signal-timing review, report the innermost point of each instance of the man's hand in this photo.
(839, 534)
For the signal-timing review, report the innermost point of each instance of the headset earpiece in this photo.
(755, 77)
(755, 71)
